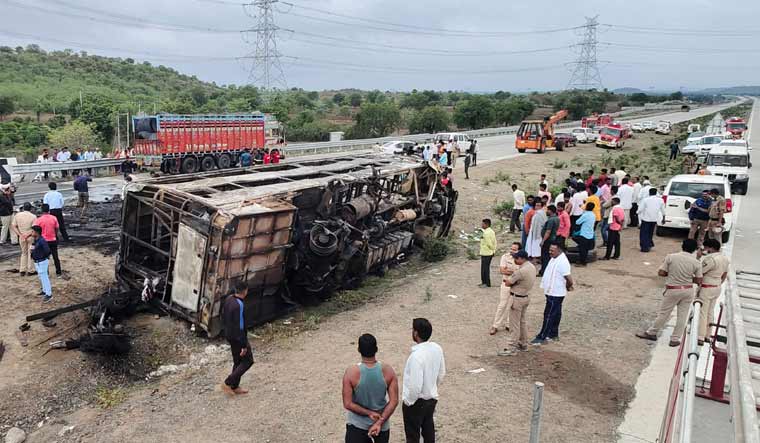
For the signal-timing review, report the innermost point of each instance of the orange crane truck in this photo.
(538, 135)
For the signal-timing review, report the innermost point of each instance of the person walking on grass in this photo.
(236, 333)
(83, 193)
(22, 226)
(518, 199)
(487, 251)
(682, 271)
(651, 210)
(519, 284)
(556, 282)
(674, 150)
(615, 222)
(40, 255)
(424, 371)
(507, 267)
(370, 396)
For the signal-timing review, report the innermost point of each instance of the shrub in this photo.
(435, 249)
(504, 209)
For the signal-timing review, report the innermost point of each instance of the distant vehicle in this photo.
(707, 142)
(694, 127)
(399, 147)
(192, 143)
(462, 139)
(585, 135)
(648, 125)
(637, 127)
(685, 108)
(663, 127)
(539, 134)
(596, 121)
(694, 137)
(629, 130)
(612, 136)
(568, 139)
(736, 127)
(731, 161)
(680, 193)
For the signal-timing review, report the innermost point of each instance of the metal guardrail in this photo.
(743, 403)
(39, 168)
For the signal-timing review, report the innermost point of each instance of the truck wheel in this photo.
(742, 190)
(224, 161)
(189, 165)
(560, 146)
(207, 163)
(521, 151)
(724, 236)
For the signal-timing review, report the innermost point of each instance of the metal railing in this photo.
(690, 373)
(743, 403)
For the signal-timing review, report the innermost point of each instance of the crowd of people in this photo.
(446, 154)
(263, 156)
(66, 155)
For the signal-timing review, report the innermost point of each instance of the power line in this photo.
(586, 73)
(690, 32)
(692, 51)
(266, 70)
(119, 20)
(416, 28)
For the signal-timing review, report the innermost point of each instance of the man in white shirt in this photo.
(556, 282)
(625, 194)
(620, 174)
(54, 199)
(651, 210)
(424, 371)
(518, 197)
(635, 202)
(578, 205)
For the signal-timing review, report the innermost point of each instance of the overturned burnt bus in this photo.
(293, 232)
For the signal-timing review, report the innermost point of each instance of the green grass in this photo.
(503, 209)
(500, 177)
(108, 398)
(428, 294)
(435, 250)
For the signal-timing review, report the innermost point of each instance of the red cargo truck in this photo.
(736, 127)
(192, 143)
(596, 121)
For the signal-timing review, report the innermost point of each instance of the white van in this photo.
(707, 142)
(463, 140)
(731, 159)
(680, 193)
(585, 135)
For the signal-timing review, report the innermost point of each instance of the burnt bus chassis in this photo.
(316, 226)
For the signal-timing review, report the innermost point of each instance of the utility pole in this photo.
(586, 71)
(266, 71)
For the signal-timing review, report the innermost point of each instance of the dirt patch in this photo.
(574, 378)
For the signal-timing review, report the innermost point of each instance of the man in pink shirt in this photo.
(615, 221)
(606, 190)
(563, 232)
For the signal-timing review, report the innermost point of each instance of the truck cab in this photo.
(736, 127)
(731, 160)
(612, 136)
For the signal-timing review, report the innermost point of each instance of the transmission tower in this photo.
(586, 67)
(266, 70)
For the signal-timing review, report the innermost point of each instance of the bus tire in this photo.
(207, 163)
(224, 161)
(189, 165)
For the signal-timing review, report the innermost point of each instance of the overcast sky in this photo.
(720, 47)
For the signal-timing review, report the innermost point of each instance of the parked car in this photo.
(637, 127)
(399, 147)
(694, 127)
(663, 127)
(731, 160)
(585, 135)
(707, 142)
(566, 138)
(463, 140)
(648, 125)
(680, 193)
(694, 137)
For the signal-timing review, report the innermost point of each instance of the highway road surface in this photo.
(491, 149)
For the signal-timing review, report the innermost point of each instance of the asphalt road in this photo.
(747, 228)
(503, 146)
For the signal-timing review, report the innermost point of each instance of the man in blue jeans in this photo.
(556, 282)
(41, 256)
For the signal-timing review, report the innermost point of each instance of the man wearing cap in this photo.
(681, 271)
(714, 273)
(717, 211)
(699, 215)
(520, 283)
(507, 267)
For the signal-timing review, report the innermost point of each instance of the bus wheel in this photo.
(207, 163)
(224, 161)
(189, 165)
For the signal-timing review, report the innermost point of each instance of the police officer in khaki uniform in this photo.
(507, 266)
(681, 271)
(520, 283)
(717, 210)
(714, 272)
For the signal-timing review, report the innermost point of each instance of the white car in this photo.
(730, 159)
(398, 147)
(694, 127)
(585, 135)
(637, 127)
(463, 140)
(680, 193)
(648, 125)
(707, 142)
(663, 127)
(694, 137)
